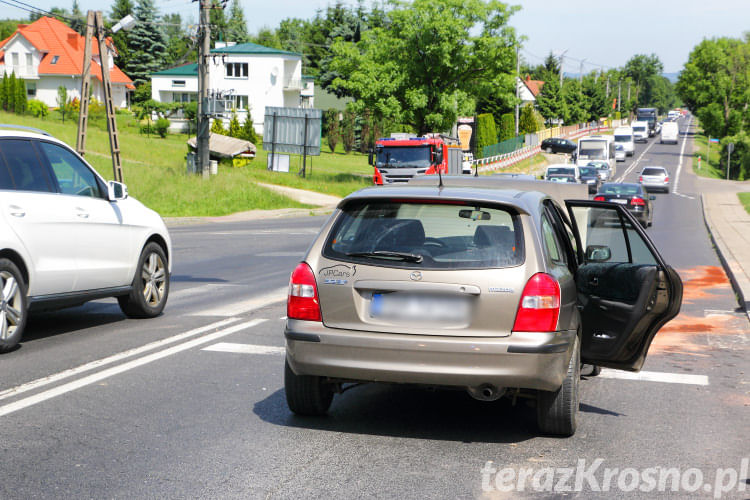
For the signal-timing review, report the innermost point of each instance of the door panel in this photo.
(626, 291)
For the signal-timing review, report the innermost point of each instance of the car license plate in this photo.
(621, 202)
(420, 308)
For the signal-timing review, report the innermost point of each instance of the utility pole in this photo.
(204, 49)
(561, 66)
(607, 93)
(95, 25)
(619, 85)
(580, 71)
(518, 86)
(628, 90)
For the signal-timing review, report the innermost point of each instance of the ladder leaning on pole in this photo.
(94, 21)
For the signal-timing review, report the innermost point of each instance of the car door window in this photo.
(604, 228)
(73, 176)
(26, 171)
(554, 250)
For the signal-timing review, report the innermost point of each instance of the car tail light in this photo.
(303, 302)
(539, 307)
(599, 198)
(636, 201)
(640, 179)
(666, 179)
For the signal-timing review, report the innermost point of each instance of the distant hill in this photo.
(672, 77)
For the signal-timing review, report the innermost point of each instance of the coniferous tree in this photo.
(248, 131)
(218, 23)
(234, 126)
(77, 20)
(20, 92)
(120, 9)
(11, 90)
(147, 43)
(236, 25)
(4, 92)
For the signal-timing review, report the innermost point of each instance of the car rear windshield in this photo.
(623, 138)
(560, 171)
(587, 171)
(427, 234)
(626, 189)
(653, 171)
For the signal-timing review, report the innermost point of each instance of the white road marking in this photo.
(670, 378)
(244, 348)
(116, 370)
(682, 152)
(205, 289)
(244, 306)
(635, 163)
(41, 382)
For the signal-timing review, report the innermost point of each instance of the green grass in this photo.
(700, 149)
(154, 170)
(533, 165)
(745, 200)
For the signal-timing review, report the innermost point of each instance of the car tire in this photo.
(13, 305)
(306, 394)
(150, 286)
(548, 150)
(556, 411)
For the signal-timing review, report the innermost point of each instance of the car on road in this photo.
(654, 178)
(670, 132)
(624, 137)
(562, 169)
(558, 145)
(620, 152)
(631, 196)
(491, 285)
(640, 131)
(562, 178)
(589, 175)
(68, 236)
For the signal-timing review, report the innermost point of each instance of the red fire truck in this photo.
(399, 158)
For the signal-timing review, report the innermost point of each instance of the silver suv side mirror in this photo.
(116, 191)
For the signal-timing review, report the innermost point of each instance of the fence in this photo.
(507, 146)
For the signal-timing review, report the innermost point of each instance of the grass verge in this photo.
(745, 200)
(709, 155)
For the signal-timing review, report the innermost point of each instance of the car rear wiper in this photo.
(383, 254)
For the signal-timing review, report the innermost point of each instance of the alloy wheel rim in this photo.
(154, 277)
(11, 300)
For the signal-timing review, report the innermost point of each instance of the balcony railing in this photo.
(293, 84)
(21, 70)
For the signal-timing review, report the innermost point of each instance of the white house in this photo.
(250, 76)
(528, 90)
(47, 54)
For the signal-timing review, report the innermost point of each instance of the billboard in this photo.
(292, 130)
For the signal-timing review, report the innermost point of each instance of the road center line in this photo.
(116, 370)
(635, 163)
(670, 378)
(245, 348)
(41, 382)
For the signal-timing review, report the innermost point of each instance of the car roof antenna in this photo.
(440, 176)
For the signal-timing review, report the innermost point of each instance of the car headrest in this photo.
(500, 236)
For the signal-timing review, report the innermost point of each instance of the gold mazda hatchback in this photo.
(487, 284)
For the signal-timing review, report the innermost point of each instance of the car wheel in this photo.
(548, 150)
(594, 371)
(556, 410)
(306, 394)
(150, 285)
(13, 305)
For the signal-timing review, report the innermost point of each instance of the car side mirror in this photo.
(598, 253)
(652, 197)
(116, 191)
(370, 157)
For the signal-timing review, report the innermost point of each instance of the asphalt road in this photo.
(191, 404)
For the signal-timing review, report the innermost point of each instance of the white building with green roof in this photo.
(253, 76)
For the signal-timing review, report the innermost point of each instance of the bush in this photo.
(217, 127)
(332, 128)
(234, 127)
(37, 108)
(486, 132)
(528, 122)
(507, 127)
(740, 168)
(162, 127)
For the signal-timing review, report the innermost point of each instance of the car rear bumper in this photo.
(523, 360)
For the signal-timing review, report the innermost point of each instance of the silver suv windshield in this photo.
(424, 235)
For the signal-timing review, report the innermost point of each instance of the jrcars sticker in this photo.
(338, 274)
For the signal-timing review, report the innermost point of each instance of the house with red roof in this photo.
(47, 54)
(529, 89)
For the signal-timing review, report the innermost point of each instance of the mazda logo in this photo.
(416, 276)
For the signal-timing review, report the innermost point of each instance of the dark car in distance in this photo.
(632, 196)
(558, 145)
(590, 176)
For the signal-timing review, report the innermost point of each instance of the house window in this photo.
(31, 89)
(184, 97)
(178, 83)
(236, 70)
(239, 102)
(29, 62)
(14, 56)
(55, 59)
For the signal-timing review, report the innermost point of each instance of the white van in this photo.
(670, 132)
(640, 131)
(562, 169)
(624, 137)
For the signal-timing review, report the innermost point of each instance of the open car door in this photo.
(626, 291)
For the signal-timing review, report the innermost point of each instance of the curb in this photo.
(282, 213)
(726, 259)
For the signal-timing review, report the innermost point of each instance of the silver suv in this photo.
(487, 284)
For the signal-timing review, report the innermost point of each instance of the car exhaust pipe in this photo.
(486, 392)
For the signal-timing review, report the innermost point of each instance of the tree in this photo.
(714, 84)
(248, 131)
(576, 105)
(77, 19)
(507, 127)
(218, 22)
(236, 25)
(20, 91)
(4, 92)
(217, 127)
(486, 132)
(527, 121)
(234, 127)
(11, 90)
(147, 43)
(594, 89)
(550, 102)
(430, 62)
(120, 9)
(641, 68)
(347, 130)
(332, 128)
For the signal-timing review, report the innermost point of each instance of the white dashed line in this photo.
(635, 163)
(669, 378)
(682, 152)
(244, 348)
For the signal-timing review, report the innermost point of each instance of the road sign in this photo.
(713, 140)
(730, 147)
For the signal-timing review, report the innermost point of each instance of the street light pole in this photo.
(518, 87)
(561, 66)
(204, 50)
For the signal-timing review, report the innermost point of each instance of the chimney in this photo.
(73, 40)
(528, 78)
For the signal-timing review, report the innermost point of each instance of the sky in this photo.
(601, 32)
